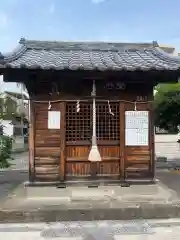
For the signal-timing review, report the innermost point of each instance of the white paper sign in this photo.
(137, 128)
(54, 118)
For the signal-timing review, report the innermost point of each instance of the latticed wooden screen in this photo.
(79, 124)
(107, 125)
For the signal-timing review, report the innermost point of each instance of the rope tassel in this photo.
(94, 154)
(78, 106)
(110, 111)
(135, 106)
(49, 106)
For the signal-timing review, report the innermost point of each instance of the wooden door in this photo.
(78, 140)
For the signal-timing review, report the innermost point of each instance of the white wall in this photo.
(12, 87)
(7, 127)
(166, 146)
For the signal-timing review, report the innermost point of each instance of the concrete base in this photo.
(50, 204)
(91, 183)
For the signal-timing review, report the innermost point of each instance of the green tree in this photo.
(5, 141)
(10, 107)
(167, 106)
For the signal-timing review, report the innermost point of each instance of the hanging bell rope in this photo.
(94, 154)
(110, 110)
(78, 106)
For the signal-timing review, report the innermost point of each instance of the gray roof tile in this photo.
(89, 56)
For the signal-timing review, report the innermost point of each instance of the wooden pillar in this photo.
(122, 140)
(62, 141)
(31, 141)
(151, 141)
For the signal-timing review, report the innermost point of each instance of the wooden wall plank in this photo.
(151, 140)
(47, 152)
(31, 141)
(47, 144)
(62, 140)
(122, 138)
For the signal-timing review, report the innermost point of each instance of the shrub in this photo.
(5, 151)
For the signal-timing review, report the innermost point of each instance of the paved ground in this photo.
(170, 179)
(20, 161)
(102, 230)
(10, 180)
(15, 175)
(41, 204)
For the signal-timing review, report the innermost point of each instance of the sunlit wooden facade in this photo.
(59, 76)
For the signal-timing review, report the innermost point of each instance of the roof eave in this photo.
(168, 56)
(11, 56)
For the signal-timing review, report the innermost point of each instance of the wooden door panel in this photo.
(77, 163)
(77, 153)
(83, 169)
(78, 139)
(78, 169)
(108, 169)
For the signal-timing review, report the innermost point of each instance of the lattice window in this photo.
(107, 127)
(78, 124)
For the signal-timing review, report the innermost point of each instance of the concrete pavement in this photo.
(94, 230)
(38, 204)
(170, 179)
(113, 202)
(18, 173)
(20, 162)
(9, 180)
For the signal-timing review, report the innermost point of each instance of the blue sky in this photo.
(97, 20)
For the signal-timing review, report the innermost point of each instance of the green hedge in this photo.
(5, 151)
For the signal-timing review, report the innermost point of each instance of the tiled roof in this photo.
(89, 56)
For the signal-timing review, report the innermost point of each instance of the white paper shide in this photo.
(54, 118)
(137, 128)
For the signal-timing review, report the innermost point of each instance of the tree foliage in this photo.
(6, 110)
(5, 151)
(167, 106)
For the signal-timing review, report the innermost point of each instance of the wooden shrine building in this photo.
(64, 81)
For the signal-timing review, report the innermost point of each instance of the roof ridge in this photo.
(84, 45)
(24, 41)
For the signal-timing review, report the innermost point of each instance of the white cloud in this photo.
(3, 20)
(97, 1)
(52, 8)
